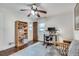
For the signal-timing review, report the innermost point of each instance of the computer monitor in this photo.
(51, 29)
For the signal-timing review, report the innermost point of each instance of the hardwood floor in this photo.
(14, 49)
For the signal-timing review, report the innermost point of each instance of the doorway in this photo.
(35, 31)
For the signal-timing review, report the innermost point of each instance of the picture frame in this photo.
(76, 16)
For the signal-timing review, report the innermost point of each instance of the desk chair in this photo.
(47, 40)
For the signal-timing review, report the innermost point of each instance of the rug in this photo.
(37, 49)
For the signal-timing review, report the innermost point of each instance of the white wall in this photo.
(64, 22)
(7, 27)
(1, 29)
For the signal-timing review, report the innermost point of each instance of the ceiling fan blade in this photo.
(28, 15)
(42, 11)
(38, 15)
(23, 9)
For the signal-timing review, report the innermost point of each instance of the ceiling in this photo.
(51, 8)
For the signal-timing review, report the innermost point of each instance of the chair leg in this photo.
(44, 42)
(46, 45)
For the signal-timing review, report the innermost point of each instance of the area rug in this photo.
(37, 49)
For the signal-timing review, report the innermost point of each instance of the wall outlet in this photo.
(11, 43)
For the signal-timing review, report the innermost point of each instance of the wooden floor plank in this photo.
(14, 49)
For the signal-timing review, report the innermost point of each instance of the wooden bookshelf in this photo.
(21, 32)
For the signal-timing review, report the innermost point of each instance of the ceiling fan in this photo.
(34, 10)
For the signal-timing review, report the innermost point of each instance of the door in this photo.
(35, 31)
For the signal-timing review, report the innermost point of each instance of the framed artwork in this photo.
(76, 16)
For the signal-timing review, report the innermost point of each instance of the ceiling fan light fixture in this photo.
(32, 12)
(36, 12)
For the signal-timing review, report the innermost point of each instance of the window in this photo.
(42, 27)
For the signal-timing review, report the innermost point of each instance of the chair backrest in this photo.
(47, 38)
